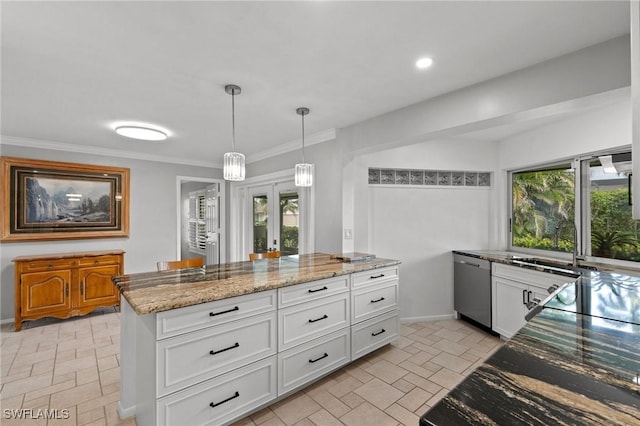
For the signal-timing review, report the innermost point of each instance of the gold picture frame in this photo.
(51, 200)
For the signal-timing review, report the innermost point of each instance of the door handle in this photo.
(524, 297)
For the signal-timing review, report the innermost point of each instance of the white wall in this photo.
(421, 225)
(153, 230)
(595, 130)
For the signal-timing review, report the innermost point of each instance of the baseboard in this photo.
(6, 321)
(126, 412)
(427, 318)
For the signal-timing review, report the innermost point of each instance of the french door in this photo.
(273, 218)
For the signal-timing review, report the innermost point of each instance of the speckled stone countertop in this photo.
(576, 362)
(151, 292)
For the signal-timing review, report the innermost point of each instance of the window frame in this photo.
(582, 209)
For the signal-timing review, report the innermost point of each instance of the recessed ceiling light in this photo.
(141, 132)
(424, 63)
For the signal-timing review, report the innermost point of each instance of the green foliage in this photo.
(289, 240)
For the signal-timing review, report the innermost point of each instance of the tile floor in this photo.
(73, 365)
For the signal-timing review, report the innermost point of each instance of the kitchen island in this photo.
(213, 344)
(576, 362)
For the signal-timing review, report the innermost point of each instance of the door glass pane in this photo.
(260, 218)
(543, 209)
(289, 223)
(614, 234)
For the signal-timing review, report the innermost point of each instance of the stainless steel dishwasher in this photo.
(472, 288)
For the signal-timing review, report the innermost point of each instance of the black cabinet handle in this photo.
(378, 333)
(377, 300)
(318, 319)
(373, 277)
(524, 297)
(215, 404)
(237, 345)
(318, 289)
(213, 314)
(318, 359)
(528, 297)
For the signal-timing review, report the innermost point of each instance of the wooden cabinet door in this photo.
(45, 292)
(96, 287)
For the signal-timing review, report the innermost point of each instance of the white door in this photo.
(273, 218)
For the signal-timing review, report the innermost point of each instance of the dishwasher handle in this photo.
(471, 261)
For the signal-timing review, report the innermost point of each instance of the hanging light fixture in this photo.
(234, 169)
(304, 171)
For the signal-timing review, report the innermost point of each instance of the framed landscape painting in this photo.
(48, 200)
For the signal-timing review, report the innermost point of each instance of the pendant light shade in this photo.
(304, 171)
(234, 169)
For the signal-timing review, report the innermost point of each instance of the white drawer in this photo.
(232, 395)
(197, 317)
(371, 301)
(539, 279)
(374, 276)
(374, 333)
(301, 323)
(300, 365)
(301, 293)
(194, 357)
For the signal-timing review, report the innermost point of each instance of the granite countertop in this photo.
(152, 292)
(576, 362)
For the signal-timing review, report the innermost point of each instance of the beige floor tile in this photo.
(366, 414)
(419, 370)
(74, 365)
(304, 422)
(379, 393)
(414, 398)
(108, 377)
(87, 375)
(13, 402)
(324, 418)
(393, 354)
(18, 376)
(446, 378)
(424, 384)
(27, 384)
(344, 387)
(403, 386)
(295, 408)
(275, 421)
(386, 371)
(100, 401)
(62, 378)
(34, 357)
(332, 404)
(262, 415)
(402, 415)
(59, 387)
(91, 416)
(352, 399)
(244, 422)
(358, 373)
(72, 397)
(107, 363)
(451, 362)
(437, 397)
(451, 347)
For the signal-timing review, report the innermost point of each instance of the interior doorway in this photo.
(201, 218)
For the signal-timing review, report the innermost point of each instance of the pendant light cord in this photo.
(233, 118)
(302, 137)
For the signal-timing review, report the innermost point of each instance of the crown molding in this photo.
(107, 152)
(316, 138)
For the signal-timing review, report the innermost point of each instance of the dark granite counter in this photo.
(151, 292)
(576, 362)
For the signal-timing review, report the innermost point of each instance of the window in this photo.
(197, 223)
(543, 206)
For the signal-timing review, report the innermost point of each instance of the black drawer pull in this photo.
(377, 300)
(378, 333)
(318, 359)
(524, 297)
(237, 345)
(318, 319)
(213, 314)
(373, 277)
(215, 404)
(318, 289)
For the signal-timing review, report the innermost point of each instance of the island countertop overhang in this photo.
(152, 292)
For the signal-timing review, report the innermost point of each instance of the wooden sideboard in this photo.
(65, 285)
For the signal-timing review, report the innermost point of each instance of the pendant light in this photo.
(234, 169)
(304, 171)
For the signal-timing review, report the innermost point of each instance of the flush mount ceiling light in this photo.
(424, 63)
(234, 169)
(144, 133)
(304, 171)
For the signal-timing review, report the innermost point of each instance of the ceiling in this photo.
(72, 69)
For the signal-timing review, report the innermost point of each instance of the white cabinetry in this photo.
(213, 363)
(313, 331)
(512, 289)
(374, 311)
